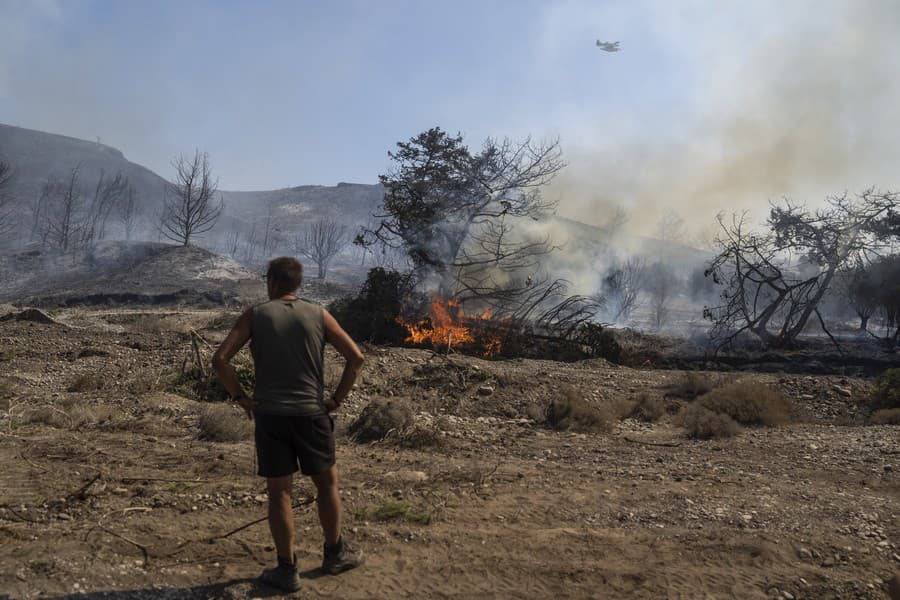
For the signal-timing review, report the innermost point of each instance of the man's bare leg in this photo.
(329, 501)
(281, 516)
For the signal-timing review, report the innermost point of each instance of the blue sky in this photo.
(707, 102)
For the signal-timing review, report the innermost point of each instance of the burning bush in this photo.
(380, 418)
(704, 424)
(748, 404)
(887, 390)
(446, 326)
(373, 314)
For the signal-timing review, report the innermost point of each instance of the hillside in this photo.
(124, 273)
(35, 155)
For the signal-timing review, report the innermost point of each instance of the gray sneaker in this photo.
(339, 558)
(284, 576)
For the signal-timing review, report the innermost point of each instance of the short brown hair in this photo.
(285, 273)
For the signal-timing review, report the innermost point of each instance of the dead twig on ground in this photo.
(195, 343)
(299, 504)
(80, 494)
(661, 444)
(142, 547)
(163, 479)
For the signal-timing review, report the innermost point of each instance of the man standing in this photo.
(287, 340)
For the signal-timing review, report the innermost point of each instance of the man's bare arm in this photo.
(337, 337)
(221, 361)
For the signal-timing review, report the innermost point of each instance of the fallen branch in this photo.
(661, 444)
(163, 479)
(143, 548)
(298, 504)
(80, 494)
(195, 337)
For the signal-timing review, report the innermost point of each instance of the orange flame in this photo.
(447, 326)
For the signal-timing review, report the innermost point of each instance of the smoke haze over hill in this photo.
(799, 101)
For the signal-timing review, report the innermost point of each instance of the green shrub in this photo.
(704, 424)
(887, 390)
(749, 403)
(372, 314)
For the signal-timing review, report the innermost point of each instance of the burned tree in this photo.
(128, 212)
(108, 194)
(321, 241)
(855, 289)
(8, 221)
(622, 286)
(883, 283)
(453, 212)
(458, 215)
(190, 208)
(670, 227)
(616, 222)
(661, 286)
(62, 213)
(774, 280)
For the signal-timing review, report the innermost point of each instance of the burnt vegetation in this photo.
(457, 216)
(775, 281)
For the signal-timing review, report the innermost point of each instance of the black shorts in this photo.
(283, 441)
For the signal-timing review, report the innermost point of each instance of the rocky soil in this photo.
(110, 487)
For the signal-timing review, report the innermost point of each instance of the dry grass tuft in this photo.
(704, 424)
(223, 423)
(46, 415)
(397, 510)
(380, 418)
(648, 408)
(887, 416)
(571, 412)
(749, 404)
(87, 382)
(155, 324)
(7, 391)
(419, 435)
(691, 386)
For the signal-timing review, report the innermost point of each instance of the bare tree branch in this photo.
(321, 241)
(190, 209)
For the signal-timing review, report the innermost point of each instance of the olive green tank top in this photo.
(288, 347)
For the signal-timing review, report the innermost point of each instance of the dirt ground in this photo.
(108, 489)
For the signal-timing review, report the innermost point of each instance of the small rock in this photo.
(804, 553)
(485, 390)
(842, 391)
(787, 595)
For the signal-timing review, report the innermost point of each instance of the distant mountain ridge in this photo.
(35, 155)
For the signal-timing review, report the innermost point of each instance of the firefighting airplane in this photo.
(608, 46)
